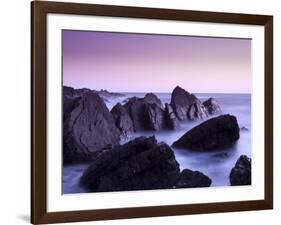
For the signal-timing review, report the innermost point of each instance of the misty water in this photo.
(215, 164)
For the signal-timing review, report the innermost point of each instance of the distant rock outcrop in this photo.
(212, 106)
(122, 119)
(88, 127)
(241, 172)
(216, 133)
(145, 116)
(197, 111)
(153, 99)
(187, 106)
(140, 164)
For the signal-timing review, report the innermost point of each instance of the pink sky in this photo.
(124, 62)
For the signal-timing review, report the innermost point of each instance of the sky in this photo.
(126, 62)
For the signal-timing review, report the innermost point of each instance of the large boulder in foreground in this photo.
(241, 172)
(191, 179)
(216, 133)
(141, 164)
(122, 119)
(145, 116)
(88, 128)
(212, 106)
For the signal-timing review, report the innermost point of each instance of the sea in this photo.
(215, 164)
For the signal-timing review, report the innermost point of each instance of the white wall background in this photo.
(15, 111)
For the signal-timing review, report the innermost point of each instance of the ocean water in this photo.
(215, 164)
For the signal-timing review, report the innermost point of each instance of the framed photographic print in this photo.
(143, 112)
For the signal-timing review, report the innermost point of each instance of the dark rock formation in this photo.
(212, 106)
(241, 173)
(122, 119)
(181, 100)
(191, 179)
(153, 99)
(216, 133)
(197, 111)
(186, 105)
(170, 118)
(141, 164)
(88, 128)
(138, 165)
(145, 116)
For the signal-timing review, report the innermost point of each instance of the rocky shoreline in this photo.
(92, 133)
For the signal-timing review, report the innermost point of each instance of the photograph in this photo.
(155, 111)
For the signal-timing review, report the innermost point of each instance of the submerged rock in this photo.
(141, 164)
(212, 106)
(88, 128)
(191, 179)
(241, 172)
(181, 100)
(216, 133)
(122, 119)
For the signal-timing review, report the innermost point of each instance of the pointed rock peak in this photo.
(179, 89)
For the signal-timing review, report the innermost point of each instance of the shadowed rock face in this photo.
(170, 118)
(153, 99)
(138, 165)
(197, 111)
(122, 119)
(186, 106)
(241, 173)
(88, 128)
(145, 116)
(212, 106)
(181, 100)
(191, 179)
(216, 133)
(141, 164)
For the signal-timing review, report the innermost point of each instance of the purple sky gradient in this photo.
(124, 62)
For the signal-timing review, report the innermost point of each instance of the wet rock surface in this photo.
(216, 133)
(212, 106)
(88, 127)
(141, 164)
(241, 172)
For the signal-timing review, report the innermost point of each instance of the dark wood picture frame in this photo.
(39, 11)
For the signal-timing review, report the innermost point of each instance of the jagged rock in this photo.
(153, 99)
(122, 119)
(241, 173)
(191, 179)
(170, 117)
(212, 106)
(181, 101)
(197, 111)
(216, 133)
(88, 128)
(140, 164)
(145, 116)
